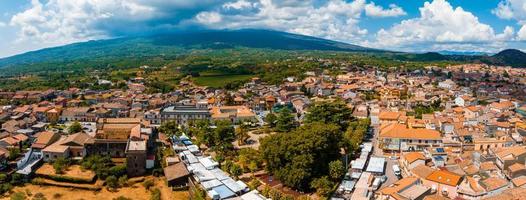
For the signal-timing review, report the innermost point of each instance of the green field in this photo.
(219, 81)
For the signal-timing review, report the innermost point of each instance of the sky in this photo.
(400, 25)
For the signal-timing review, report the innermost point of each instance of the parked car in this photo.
(396, 170)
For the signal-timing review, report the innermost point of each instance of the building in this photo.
(136, 158)
(182, 114)
(406, 188)
(397, 137)
(233, 113)
(176, 175)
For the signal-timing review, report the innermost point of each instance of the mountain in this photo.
(464, 53)
(171, 44)
(511, 57)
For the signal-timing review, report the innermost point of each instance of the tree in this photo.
(112, 182)
(323, 186)
(60, 164)
(170, 128)
(271, 119)
(336, 169)
(330, 113)
(75, 127)
(123, 181)
(254, 184)
(242, 134)
(304, 154)
(285, 120)
(13, 154)
(236, 170)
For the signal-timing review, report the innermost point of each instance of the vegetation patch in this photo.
(73, 174)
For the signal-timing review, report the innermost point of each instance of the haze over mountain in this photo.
(174, 44)
(171, 43)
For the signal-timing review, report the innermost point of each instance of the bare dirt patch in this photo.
(135, 192)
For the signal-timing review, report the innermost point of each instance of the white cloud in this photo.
(377, 11)
(208, 17)
(441, 25)
(3, 24)
(513, 10)
(334, 19)
(57, 22)
(241, 4)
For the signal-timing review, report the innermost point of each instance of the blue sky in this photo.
(402, 25)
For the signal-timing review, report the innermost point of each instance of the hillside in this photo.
(177, 43)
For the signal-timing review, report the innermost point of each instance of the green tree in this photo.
(123, 181)
(304, 154)
(323, 186)
(330, 113)
(242, 134)
(236, 171)
(75, 127)
(60, 164)
(285, 120)
(170, 128)
(336, 169)
(271, 119)
(112, 182)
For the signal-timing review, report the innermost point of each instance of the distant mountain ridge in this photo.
(169, 46)
(169, 43)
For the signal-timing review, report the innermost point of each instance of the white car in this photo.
(396, 170)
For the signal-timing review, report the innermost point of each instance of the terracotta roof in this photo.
(444, 177)
(413, 156)
(519, 181)
(389, 115)
(516, 167)
(398, 186)
(493, 183)
(401, 131)
(422, 171)
(509, 153)
(176, 171)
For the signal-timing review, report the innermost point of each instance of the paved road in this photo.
(391, 177)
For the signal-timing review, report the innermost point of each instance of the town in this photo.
(430, 133)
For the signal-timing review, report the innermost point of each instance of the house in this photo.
(495, 185)
(387, 117)
(71, 146)
(406, 188)
(136, 158)
(412, 159)
(233, 113)
(471, 189)
(81, 114)
(176, 174)
(397, 137)
(507, 156)
(444, 182)
(447, 84)
(45, 139)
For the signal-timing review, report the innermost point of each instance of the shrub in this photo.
(112, 182)
(156, 194)
(18, 196)
(148, 183)
(122, 198)
(123, 181)
(60, 165)
(39, 196)
(118, 170)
